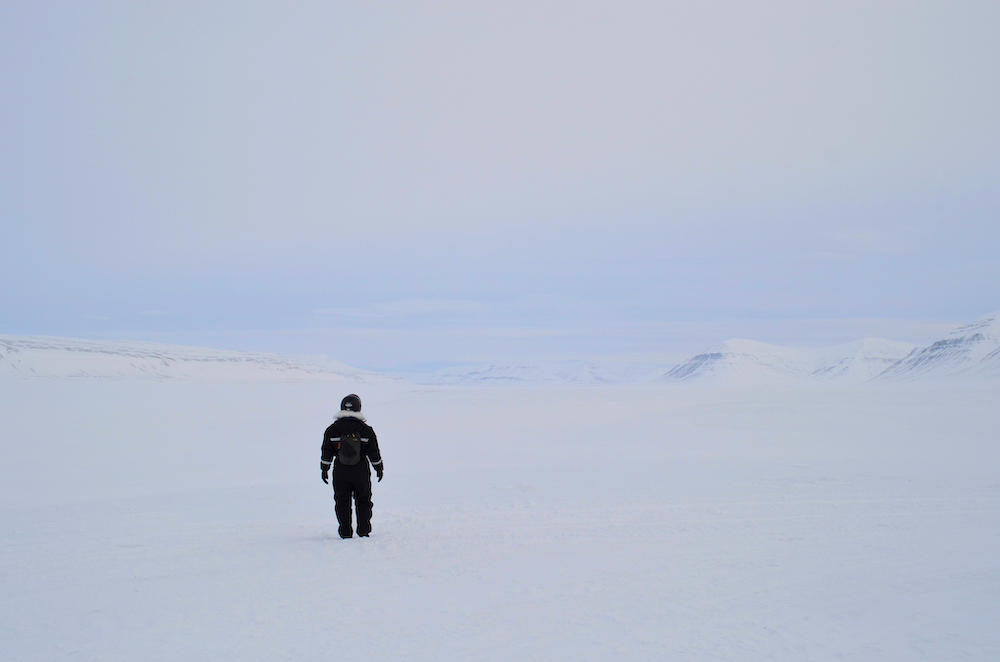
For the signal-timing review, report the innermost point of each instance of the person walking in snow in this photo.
(349, 444)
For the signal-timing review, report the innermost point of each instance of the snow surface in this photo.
(185, 519)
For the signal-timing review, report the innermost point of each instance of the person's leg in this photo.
(363, 501)
(342, 498)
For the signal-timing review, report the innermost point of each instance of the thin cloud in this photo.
(870, 241)
(408, 308)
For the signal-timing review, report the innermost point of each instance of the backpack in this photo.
(349, 449)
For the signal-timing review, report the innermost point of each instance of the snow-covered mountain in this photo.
(972, 350)
(70, 357)
(566, 372)
(859, 361)
(741, 361)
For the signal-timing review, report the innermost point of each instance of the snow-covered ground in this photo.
(182, 519)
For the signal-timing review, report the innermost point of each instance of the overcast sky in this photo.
(411, 184)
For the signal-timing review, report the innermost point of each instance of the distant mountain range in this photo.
(746, 361)
(970, 352)
(559, 372)
(68, 357)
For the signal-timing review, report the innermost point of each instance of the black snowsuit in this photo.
(351, 480)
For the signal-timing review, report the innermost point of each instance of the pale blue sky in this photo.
(406, 185)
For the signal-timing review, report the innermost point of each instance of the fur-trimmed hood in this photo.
(350, 414)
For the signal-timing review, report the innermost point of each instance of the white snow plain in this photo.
(169, 520)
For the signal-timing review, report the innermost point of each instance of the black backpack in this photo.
(349, 449)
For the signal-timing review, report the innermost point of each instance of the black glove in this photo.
(378, 471)
(326, 476)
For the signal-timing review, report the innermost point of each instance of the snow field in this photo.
(161, 521)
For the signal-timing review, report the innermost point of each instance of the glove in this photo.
(378, 471)
(326, 476)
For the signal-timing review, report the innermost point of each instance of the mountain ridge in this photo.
(971, 350)
(748, 361)
(48, 356)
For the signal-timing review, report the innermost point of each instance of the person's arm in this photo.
(372, 451)
(326, 455)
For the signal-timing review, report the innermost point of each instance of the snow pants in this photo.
(353, 482)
